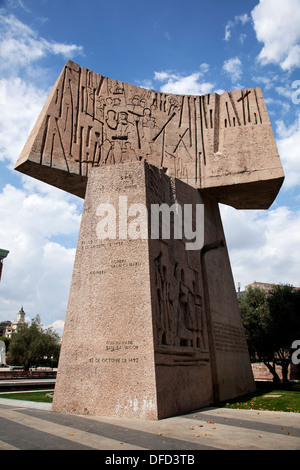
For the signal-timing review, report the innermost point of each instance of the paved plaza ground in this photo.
(33, 426)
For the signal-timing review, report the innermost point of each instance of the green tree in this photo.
(33, 346)
(272, 322)
(284, 326)
(256, 319)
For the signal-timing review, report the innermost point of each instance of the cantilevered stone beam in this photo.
(222, 144)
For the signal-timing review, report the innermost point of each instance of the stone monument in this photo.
(2, 353)
(153, 327)
(3, 254)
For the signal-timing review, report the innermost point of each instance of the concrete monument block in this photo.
(223, 144)
(159, 325)
(153, 326)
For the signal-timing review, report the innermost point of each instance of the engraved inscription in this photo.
(96, 243)
(229, 338)
(125, 347)
(128, 345)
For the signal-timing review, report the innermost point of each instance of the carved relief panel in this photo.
(179, 324)
(207, 141)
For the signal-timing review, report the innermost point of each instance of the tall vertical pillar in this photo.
(148, 320)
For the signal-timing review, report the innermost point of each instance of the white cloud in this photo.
(228, 31)
(204, 67)
(21, 99)
(284, 91)
(36, 219)
(288, 144)
(37, 271)
(233, 67)
(189, 84)
(242, 38)
(292, 59)
(263, 245)
(21, 105)
(276, 23)
(146, 83)
(162, 76)
(57, 325)
(67, 50)
(17, 4)
(243, 19)
(20, 45)
(269, 80)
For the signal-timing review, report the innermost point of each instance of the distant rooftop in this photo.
(264, 285)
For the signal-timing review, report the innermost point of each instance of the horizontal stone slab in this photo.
(220, 143)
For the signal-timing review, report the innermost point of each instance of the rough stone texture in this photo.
(152, 329)
(221, 143)
(107, 364)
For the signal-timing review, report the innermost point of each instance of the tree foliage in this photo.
(272, 322)
(255, 315)
(33, 346)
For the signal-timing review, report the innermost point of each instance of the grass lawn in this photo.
(29, 396)
(268, 396)
(272, 397)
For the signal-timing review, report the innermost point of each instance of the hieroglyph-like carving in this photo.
(178, 307)
(207, 141)
(100, 121)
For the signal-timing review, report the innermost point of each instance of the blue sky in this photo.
(193, 47)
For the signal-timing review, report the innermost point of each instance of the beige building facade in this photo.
(7, 328)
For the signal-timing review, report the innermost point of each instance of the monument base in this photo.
(152, 329)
